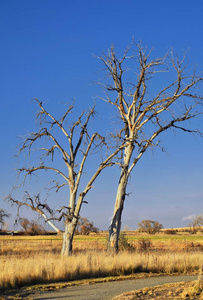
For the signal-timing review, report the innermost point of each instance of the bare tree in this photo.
(32, 227)
(3, 215)
(145, 112)
(84, 227)
(149, 226)
(25, 223)
(74, 145)
(196, 224)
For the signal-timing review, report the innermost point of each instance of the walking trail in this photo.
(108, 290)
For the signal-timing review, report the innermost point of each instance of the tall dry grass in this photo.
(32, 260)
(46, 268)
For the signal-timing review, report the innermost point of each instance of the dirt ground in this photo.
(176, 291)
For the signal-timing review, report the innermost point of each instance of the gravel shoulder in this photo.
(108, 290)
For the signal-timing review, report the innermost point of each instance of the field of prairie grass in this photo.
(26, 260)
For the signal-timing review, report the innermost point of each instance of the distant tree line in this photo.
(84, 227)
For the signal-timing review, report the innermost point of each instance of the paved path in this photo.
(108, 290)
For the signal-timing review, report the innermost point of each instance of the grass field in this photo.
(26, 260)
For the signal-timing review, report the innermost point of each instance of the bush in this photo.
(123, 243)
(144, 245)
(31, 228)
(170, 231)
(36, 229)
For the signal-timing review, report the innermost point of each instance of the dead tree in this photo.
(74, 145)
(145, 112)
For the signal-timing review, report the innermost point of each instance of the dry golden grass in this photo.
(33, 244)
(39, 268)
(32, 260)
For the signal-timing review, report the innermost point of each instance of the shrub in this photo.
(144, 245)
(123, 243)
(170, 231)
(35, 229)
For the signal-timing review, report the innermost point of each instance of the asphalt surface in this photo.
(108, 290)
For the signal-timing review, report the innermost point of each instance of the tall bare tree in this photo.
(146, 111)
(74, 145)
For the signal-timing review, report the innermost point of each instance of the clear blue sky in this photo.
(46, 49)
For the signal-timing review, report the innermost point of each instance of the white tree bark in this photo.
(115, 226)
(68, 235)
(50, 223)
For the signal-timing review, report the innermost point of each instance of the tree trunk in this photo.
(115, 226)
(70, 227)
(68, 235)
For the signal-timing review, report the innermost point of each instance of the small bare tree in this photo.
(32, 227)
(25, 223)
(74, 145)
(145, 111)
(196, 224)
(149, 226)
(84, 227)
